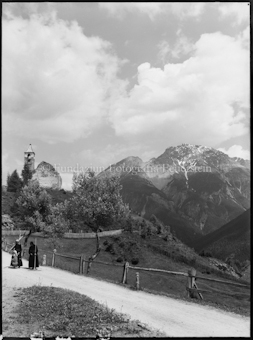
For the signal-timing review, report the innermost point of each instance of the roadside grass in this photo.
(61, 312)
(174, 286)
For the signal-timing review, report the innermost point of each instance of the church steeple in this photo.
(30, 157)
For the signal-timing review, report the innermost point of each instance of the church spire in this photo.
(30, 149)
(30, 157)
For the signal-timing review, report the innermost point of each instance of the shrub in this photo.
(205, 253)
(135, 260)
(109, 247)
(105, 243)
(119, 259)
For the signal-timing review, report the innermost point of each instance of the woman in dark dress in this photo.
(33, 256)
(18, 249)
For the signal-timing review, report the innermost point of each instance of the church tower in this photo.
(30, 158)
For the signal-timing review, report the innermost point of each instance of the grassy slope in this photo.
(68, 313)
(178, 258)
(233, 237)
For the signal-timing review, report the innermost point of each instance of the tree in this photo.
(34, 205)
(97, 203)
(8, 179)
(36, 209)
(26, 174)
(57, 223)
(14, 182)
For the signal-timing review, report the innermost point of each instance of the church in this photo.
(45, 173)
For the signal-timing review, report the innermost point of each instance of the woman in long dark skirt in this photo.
(18, 249)
(33, 256)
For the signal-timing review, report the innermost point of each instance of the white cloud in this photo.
(56, 82)
(236, 151)
(239, 11)
(182, 47)
(153, 9)
(163, 50)
(110, 154)
(190, 101)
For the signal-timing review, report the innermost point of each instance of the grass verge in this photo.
(61, 312)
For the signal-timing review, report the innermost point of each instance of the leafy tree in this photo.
(129, 223)
(34, 204)
(14, 182)
(56, 222)
(36, 210)
(8, 179)
(97, 203)
(26, 174)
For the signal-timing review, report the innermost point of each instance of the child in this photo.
(14, 259)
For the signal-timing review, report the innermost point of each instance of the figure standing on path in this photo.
(14, 259)
(18, 249)
(33, 256)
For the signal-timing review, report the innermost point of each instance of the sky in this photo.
(88, 84)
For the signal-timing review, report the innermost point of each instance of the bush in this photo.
(205, 253)
(105, 243)
(135, 260)
(109, 248)
(119, 259)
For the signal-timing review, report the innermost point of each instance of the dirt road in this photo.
(174, 317)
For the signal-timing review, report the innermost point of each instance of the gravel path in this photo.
(173, 317)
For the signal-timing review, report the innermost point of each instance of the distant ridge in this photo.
(233, 237)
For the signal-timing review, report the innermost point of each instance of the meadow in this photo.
(158, 283)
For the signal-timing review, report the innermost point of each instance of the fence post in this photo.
(137, 281)
(44, 260)
(53, 259)
(81, 264)
(125, 271)
(191, 281)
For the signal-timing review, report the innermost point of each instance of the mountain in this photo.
(194, 189)
(232, 238)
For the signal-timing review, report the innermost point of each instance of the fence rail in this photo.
(68, 256)
(66, 235)
(159, 270)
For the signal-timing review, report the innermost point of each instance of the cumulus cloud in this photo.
(236, 151)
(56, 82)
(239, 11)
(182, 47)
(153, 9)
(193, 100)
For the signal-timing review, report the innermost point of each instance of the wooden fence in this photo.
(193, 291)
(66, 235)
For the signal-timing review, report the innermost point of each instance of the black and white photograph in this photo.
(126, 201)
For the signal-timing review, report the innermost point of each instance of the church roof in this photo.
(30, 148)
